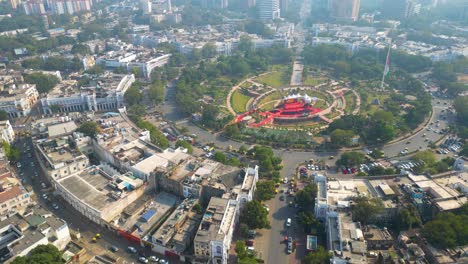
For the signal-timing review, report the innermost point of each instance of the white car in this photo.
(18, 165)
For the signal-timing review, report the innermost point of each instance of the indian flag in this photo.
(387, 62)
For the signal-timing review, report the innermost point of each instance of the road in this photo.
(32, 178)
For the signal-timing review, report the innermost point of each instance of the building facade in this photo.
(19, 100)
(6, 131)
(344, 9)
(269, 10)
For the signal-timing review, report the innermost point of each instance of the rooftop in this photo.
(94, 187)
(217, 220)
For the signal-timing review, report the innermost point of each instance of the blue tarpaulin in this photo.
(147, 216)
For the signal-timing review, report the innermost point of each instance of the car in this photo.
(153, 259)
(143, 260)
(288, 222)
(252, 233)
(266, 208)
(249, 243)
(131, 250)
(55, 206)
(114, 248)
(163, 261)
(281, 198)
(45, 196)
(285, 180)
(18, 164)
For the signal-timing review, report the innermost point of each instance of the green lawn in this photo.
(368, 107)
(273, 79)
(313, 81)
(268, 106)
(239, 102)
(273, 96)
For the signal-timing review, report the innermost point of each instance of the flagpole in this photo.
(387, 65)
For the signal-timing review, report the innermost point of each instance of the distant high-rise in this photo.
(145, 6)
(215, 3)
(57, 7)
(249, 3)
(284, 6)
(344, 9)
(400, 9)
(34, 7)
(412, 8)
(14, 3)
(269, 10)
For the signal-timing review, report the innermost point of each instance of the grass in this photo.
(239, 102)
(271, 97)
(313, 81)
(273, 79)
(319, 95)
(350, 102)
(268, 106)
(246, 85)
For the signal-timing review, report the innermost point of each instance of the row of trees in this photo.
(445, 74)
(54, 63)
(431, 165)
(44, 82)
(460, 106)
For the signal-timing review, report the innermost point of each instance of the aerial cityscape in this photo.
(234, 131)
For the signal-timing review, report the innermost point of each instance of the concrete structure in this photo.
(321, 202)
(6, 131)
(145, 6)
(21, 234)
(130, 60)
(17, 100)
(219, 4)
(58, 159)
(214, 236)
(177, 232)
(34, 7)
(269, 10)
(247, 190)
(106, 95)
(14, 198)
(344, 9)
(98, 193)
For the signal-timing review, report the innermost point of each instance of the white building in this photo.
(14, 198)
(131, 60)
(103, 97)
(214, 235)
(17, 101)
(145, 6)
(6, 131)
(321, 202)
(269, 9)
(248, 187)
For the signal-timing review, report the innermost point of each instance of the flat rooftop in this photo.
(92, 186)
(216, 221)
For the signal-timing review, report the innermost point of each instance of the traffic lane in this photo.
(277, 250)
(418, 140)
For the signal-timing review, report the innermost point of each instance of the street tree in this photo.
(342, 138)
(184, 144)
(254, 215)
(265, 190)
(320, 256)
(220, 157)
(351, 158)
(305, 198)
(133, 94)
(44, 82)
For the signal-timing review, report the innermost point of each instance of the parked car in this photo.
(143, 260)
(132, 250)
(114, 248)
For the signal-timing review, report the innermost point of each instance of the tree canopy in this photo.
(265, 190)
(3, 115)
(305, 198)
(254, 215)
(448, 230)
(320, 256)
(44, 82)
(184, 144)
(364, 209)
(89, 128)
(351, 158)
(42, 254)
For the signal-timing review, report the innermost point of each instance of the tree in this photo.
(3, 115)
(208, 51)
(41, 254)
(241, 249)
(305, 198)
(184, 144)
(265, 190)
(89, 128)
(219, 157)
(81, 49)
(254, 215)
(342, 138)
(351, 158)
(308, 221)
(447, 230)
(232, 130)
(13, 154)
(44, 82)
(320, 256)
(365, 209)
(427, 156)
(243, 149)
(409, 216)
(133, 95)
(197, 208)
(244, 230)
